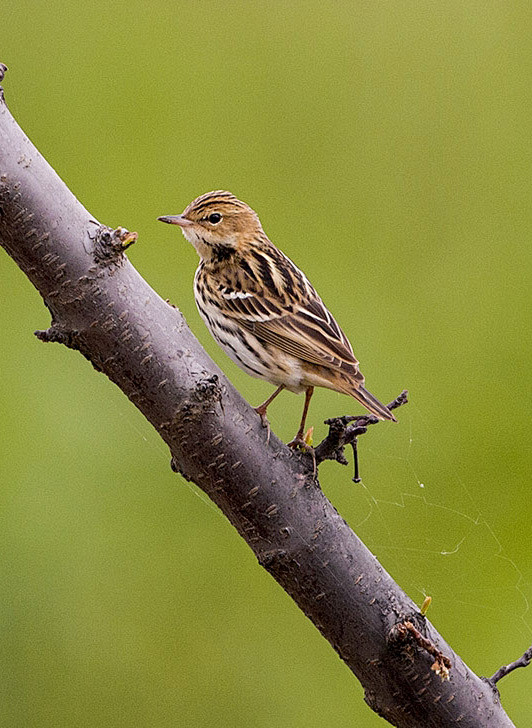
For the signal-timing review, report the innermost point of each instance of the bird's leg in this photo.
(298, 439)
(261, 409)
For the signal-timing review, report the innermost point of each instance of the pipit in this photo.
(263, 311)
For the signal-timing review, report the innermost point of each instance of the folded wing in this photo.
(300, 325)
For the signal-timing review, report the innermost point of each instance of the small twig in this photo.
(523, 661)
(406, 629)
(356, 476)
(345, 431)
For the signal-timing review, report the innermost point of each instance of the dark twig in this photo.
(523, 661)
(405, 630)
(345, 431)
(356, 476)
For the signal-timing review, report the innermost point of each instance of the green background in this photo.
(387, 149)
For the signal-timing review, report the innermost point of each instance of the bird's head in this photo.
(217, 224)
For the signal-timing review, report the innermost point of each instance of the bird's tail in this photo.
(371, 403)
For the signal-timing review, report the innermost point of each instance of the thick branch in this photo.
(101, 306)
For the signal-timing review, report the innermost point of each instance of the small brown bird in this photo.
(263, 311)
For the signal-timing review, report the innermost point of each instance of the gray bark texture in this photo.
(102, 307)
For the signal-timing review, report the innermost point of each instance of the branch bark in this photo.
(102, 307)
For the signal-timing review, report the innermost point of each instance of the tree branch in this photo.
(523, 661)
(102, 307)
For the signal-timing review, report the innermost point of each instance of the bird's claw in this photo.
(298, 443)
(264, 421)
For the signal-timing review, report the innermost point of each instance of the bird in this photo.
(262, 309)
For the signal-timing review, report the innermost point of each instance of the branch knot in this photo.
(209, 389)
(110, 244)
(406, 632)
(3, 69)
(57, 335)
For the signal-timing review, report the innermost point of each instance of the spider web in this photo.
(428, 530)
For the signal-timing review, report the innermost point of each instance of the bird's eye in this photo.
(214, 218)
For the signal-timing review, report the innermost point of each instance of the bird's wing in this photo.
(292, 318)
(309, 336)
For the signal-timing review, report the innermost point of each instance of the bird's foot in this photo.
(299, 443)
(261, 411)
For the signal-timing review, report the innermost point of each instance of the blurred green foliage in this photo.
(387, 149)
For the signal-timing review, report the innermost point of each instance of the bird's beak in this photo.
(176, 220)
